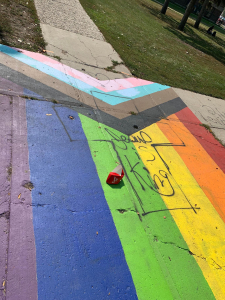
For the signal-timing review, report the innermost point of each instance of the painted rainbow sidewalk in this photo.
(159, 234)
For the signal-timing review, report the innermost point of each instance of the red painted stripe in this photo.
(215, 150)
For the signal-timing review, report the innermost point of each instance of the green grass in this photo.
(112, 67)
(153, 48)
(57, 57)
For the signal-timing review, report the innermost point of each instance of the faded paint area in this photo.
(158, 234)
(103, 85)
(117, 97)
(5, 183)
(17, 246)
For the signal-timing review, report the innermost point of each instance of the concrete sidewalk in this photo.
(67, 234)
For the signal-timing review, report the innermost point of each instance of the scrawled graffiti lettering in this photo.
(138, 174)
(159, 184)
(213, 116)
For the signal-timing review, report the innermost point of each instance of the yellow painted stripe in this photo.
(203, 231)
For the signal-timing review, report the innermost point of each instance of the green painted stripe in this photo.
(155, 251)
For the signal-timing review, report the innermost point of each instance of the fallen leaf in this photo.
(19, 196)
(97, 232)
(48, 114)
(3, 284)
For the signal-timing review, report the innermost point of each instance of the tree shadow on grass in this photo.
(197, 42)
(190, 36)
(216, 39)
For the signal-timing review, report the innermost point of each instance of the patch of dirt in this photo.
(28, 185)
(9, 171)
(5, 214)
(20, 26)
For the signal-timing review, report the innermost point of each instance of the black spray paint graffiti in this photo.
(213, 116)
(159, 183)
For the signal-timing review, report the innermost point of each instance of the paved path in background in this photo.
(70, 17)
(75, 38)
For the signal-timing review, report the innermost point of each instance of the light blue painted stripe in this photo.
(78, 251)
(120, 96)
(112, 98)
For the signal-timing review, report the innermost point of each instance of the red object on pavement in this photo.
(115, 176)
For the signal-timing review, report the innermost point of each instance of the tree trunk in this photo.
(165, 6)
(201, 13)
(187, 13)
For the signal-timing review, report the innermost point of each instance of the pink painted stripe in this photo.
(105, 86)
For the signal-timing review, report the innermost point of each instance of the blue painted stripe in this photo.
(112, 98)
(69, 208)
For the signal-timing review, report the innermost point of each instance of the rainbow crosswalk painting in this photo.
(159, 233)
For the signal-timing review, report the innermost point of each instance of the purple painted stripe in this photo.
(8, 87)
(21, 277)
(5, 184)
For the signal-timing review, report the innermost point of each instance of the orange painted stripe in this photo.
(206, 172)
